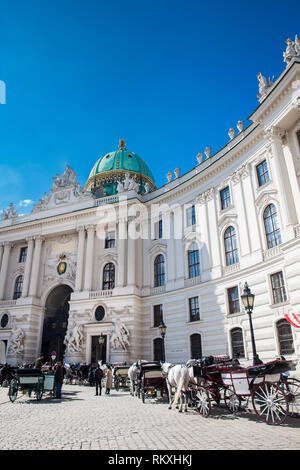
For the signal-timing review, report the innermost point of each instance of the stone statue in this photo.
(207, 151)
(290, 51)
(169, 176)
(120, 187)
(177, 172)
(73, 338)
(147, 188)
(10, 213)
(297, 45)
(263, 86)
(231, 133)
(240, 126)
(15, 342)
(120, 336)
(199, 157)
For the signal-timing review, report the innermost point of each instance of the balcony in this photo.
(97, 294)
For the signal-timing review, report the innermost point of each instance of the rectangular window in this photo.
(190, 216)
(160, 228)
(233, 300)
(110, 240)
(157, 315)
(278, 288)
(23, 254)
(225, 197)
(262, 173)
(194, 309)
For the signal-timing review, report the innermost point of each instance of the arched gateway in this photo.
(56, 321)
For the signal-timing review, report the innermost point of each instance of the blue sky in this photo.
(170, 77)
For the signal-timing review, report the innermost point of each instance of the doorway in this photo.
(98, 350)
(56, 322)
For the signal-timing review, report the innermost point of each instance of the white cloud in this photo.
(25, 202)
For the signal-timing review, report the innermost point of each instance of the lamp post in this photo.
(163, 329)
(101, 342)
(248, 302)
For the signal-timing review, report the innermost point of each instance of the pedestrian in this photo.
(98, 379)
(39, 362)
(58, 379)
(109, 377)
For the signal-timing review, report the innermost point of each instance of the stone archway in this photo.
(56, 322)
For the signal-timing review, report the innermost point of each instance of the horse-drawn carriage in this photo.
(235, 384)
(120, 377)
(30, 381)
(150, 380)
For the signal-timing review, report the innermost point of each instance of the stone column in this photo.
(131, 260)
(36, 266)
(30, 246)
(213, 232)
(170, 252)
(80, 258)
(122, 237)
(1, 254)
(89, 258)
(4, 268)
(274, 135)
(202, 231)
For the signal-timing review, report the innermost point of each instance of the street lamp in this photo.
(101, 342)
(248, 302)
(163, 329)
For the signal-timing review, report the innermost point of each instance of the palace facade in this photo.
(114, 259)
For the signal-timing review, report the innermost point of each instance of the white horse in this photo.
(132, 376)
(177, 376)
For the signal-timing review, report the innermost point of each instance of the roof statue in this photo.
(292, 49)
(10, 213)
(264, 86)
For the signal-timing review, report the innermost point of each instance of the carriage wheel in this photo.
(203, 402)
(270, 403)
(13, 390)
(292, 389)
(232, 401)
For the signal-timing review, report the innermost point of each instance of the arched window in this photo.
(231, 250)
(18, 287)
(237, 342)
(108, 276)
(285, 337)
(271, 226)
(194, 261)
(158, 349)
(196, 346)
(159, 271)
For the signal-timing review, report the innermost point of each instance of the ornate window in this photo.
(4, 320)
(196, 346)
(99, 313)
(233, 300)
(18, 287)
(158, 349)
(159, 271)
(190, 216)
(278, 288)
(285, 337)
(194, 309)
(157, 315)
(271, 226)
(237, 343)
(262, 173)
(225, 197)
(23, 254)
(231, 250)
(194, 261)
(108, 276)
(110, 240)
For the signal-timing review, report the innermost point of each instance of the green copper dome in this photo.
(112, 168)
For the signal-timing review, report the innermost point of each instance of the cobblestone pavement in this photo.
(81, 420)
